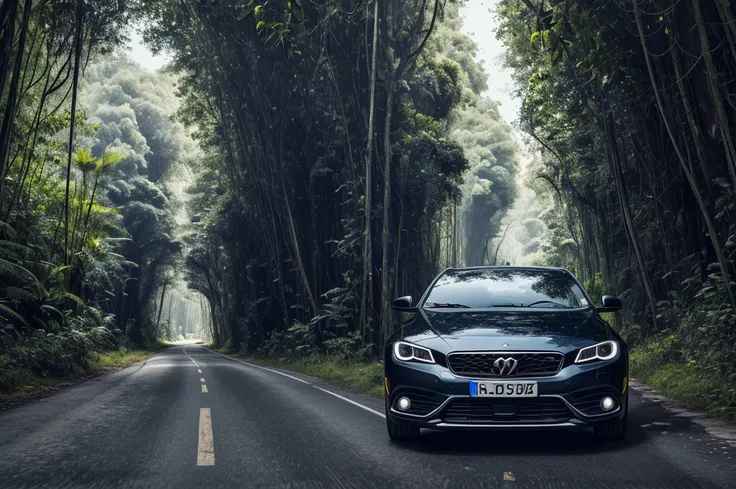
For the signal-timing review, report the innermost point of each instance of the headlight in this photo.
(407, 352)
(601, 351)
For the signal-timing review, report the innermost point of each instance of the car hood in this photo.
(506, 330)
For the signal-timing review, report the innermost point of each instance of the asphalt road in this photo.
(155, 426)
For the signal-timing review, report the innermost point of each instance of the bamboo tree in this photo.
(161, 304)
(712, 232)
(717, 97)
(8, 12)
(11, 108)
(500, 242)
(367, 295)
(75, 84)
(626, 213)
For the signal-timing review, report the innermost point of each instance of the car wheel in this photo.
(616, 430)
(399, 432)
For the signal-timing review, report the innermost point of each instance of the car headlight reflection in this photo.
(407, 352)
(601, 351)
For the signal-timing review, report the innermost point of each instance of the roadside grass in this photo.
(25, 384)
(122, 358)
(363, 377)
(685, 382)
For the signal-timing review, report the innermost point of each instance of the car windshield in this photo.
(487, 288)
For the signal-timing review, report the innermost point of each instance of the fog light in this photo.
(607, 403)
(404, 403)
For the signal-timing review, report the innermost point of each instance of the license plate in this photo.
(503, 389)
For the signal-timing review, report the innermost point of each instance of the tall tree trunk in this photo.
(85, 228)
(8, 12)
(386, 315)
(498, 247)
(366, 306)
(10, 106)
(729, 24)
(454, 232)
(297, 252)
(161, 305)
(716, 95)
(75, 84)
(626, 212)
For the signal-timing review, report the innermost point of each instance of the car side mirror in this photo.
(404, 304)
(609, 303)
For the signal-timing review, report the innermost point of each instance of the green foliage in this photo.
(299, 340)
(121, 357)
(70, 277)
(349, 348)
(16, 382)
(56, 351)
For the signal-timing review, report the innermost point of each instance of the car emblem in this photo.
(505, 366)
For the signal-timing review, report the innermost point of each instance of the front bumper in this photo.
(568, 400)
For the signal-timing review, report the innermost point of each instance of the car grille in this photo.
(538, 364)
(588, 401)
(521, 411)
(422, 403)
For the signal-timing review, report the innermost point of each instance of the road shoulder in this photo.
(36, 387)
(714, 427)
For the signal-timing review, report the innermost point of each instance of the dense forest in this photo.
(88, 232)
(342, 153)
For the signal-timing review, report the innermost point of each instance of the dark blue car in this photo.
(506, 348)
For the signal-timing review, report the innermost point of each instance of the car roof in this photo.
(503, 267)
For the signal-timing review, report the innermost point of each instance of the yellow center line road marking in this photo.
(204, 388)
(201, 379)
(206, 447)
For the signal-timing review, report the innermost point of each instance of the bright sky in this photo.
(142, 55)
(480, 22)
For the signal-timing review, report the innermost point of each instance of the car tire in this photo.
(616, 430)
(400, 432)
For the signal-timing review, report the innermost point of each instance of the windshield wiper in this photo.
(447, 305)
(504, 305)
(554, 304)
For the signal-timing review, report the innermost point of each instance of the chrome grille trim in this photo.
(520, 371)
(514, 426)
